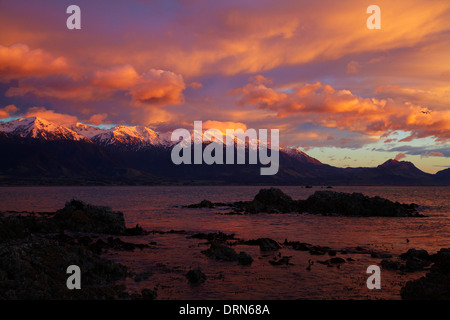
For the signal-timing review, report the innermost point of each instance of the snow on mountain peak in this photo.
(38, 128)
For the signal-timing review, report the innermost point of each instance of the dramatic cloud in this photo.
(52, 116)
(155, 87)
(329, 107)
(7, 111)
(19, 61)
(317, 73)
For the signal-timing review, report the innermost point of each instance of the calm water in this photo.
(157, 208)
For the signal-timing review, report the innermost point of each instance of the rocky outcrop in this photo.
(323, 202)
(35, 252)
(355, 204)
(82, 217)
(435, 285)
(35, 268)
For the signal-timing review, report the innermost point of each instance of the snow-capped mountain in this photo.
(38, 128)
(136, 137)
(121, 136)
(86, 130)
(300, 155)
(84, 154)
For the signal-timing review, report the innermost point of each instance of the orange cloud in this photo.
(400, 156)
(223, 125)
(7, 111)
(329, 107)
(18, 61)
(155, 87)
(52, 116)
(97, 119)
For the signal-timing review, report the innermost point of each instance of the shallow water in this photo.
(157, 208)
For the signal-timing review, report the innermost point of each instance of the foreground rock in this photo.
(435, 285)
(323, 202)
(35, 253)
(35, 268)
(82, 217)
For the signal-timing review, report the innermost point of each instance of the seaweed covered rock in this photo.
(82, 217)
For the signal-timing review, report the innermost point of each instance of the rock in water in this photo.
(244, 259)
(220, 251)
(267, 244)
(195, 276)
(81, 217)
(272, 200)
(355, 204)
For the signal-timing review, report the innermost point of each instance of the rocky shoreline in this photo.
(37, 248)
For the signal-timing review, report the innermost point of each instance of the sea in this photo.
(164, 264)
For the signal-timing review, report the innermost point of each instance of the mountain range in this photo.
(39, 152)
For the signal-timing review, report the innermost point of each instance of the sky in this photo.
(339, 91)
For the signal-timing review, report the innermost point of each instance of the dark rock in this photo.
(81, 217)
(272, 200)
(324, 202)
(118, 244)
(413, 253)
(267, 244)
(136, 231)
(35, 268)
(337, 260)
(380, 255)
(416, 260)
(207, 204)
(214, 236)
(220, 251)
(283, 261)
(355, 204)
(244, 258)
(390, 264)
(435, 285)
(202, 204)
(195, 276)
(332, 253)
